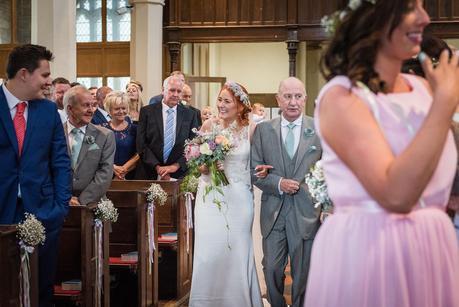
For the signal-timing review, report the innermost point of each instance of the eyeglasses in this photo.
(290, 97)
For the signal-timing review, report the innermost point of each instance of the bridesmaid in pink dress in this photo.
(389, 160)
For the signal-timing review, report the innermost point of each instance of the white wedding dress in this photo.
(224, 276)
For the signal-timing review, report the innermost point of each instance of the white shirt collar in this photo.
(10, 98)
(166, 107)
(70, 127)
(297, 121)
(104, 113)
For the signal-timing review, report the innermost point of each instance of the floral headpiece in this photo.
(238, 92)
(331, 22)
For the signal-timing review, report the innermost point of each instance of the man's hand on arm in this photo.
(289, 186)
(165, 171)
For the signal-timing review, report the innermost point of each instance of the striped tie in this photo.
(169, 134)
(20, 124)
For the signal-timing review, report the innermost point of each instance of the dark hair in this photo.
(26, 56)
(433, 47)
(353, 49)
(75, 84)
(60, 80)
(243, 117)
(92, 88)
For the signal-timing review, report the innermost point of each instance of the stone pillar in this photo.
(314, 79)
(147, 45)
(292, 47)
(53, 26)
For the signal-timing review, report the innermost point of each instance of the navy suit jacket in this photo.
(98, 118)
(43, 170)
(150, 140)
(156, 99)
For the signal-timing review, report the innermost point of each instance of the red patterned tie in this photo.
(20, 124)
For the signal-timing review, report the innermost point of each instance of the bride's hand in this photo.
(262, 170)
(220, 166)
(203, 169)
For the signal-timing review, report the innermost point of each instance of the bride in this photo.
(224, 272)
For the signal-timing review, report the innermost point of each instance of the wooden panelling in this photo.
(103, 59)
(4, 51)
(270, 20)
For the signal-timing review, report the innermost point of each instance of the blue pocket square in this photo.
(93, 147)
(309, 132)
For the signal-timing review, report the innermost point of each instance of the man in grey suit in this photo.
(91, 148)
(288, 218)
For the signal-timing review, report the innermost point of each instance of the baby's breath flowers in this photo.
(31, 231)
(156, 194)
(106, 211)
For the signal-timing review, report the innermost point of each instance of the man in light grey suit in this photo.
(288, 219)
(91, 148)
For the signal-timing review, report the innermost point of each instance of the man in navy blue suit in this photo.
(35, 174)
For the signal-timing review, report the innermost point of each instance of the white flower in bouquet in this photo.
(106, 211)
(31, 231)
(318, 187)
(156, 194)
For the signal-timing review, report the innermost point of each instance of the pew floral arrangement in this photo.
(156, 194)
(317, 187)
(106, 211)
(189, 187)
(30, 233)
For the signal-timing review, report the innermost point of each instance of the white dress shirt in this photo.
(12, 102)
(63, 115)
(296, 134)
(165, 108)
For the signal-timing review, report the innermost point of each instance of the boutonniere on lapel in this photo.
(309, 132)
(89, 139)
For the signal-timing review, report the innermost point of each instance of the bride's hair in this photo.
(243, 103)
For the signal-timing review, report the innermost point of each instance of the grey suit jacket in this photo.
(267, 149)
(93, 172)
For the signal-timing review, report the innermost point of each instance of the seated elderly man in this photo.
(91, 148)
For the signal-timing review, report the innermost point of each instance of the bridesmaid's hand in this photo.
(203, 169)
(262, 170)
(443, 78)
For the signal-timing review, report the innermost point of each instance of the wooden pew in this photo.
(130, 234)
(171, 218)
(77, 259)
(10, 262)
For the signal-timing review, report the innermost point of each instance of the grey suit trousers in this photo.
(282, 242)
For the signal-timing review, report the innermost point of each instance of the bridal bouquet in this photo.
(207, 148)
(317, 186)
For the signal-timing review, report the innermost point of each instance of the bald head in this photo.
(291, 98)
(187, 94)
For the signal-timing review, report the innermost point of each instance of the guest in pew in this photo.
(258, 113)
(159, 98)
(93, 91)
(91, 148)
(187, 94)
(162, 131)
(60, 86)
(126, 157)
(35, 168)
(134, 90)
(206, 113)
(101, 116)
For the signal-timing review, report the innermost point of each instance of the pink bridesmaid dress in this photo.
(364, 255)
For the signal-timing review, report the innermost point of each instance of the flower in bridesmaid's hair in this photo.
(89, 139)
